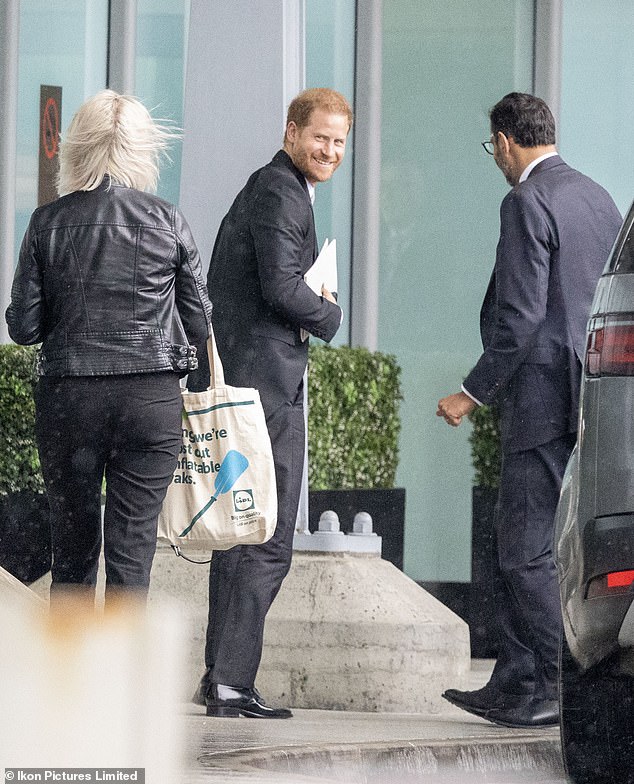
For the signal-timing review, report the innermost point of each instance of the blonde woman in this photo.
(109, 281)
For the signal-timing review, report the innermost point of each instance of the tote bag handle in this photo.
(216, 371)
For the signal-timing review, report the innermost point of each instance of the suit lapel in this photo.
(315, 245)
(282, 158)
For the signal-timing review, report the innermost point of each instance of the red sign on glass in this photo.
(49, 130)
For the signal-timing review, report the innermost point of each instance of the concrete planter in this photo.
(352, 632)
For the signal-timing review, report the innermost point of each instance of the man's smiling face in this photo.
(318, 149)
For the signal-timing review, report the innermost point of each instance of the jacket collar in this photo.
(282, 158)
(548, 163)
(107, 183)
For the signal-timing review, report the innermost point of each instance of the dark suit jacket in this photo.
(556, 232)
(265, 245)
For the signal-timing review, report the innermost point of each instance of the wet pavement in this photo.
(54, 679)
(369, 748)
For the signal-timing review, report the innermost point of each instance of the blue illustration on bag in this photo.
(231, 469)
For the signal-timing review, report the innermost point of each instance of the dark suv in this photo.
(595, 541)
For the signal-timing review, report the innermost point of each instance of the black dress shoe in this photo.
(232, 701)
(481, 701)
(538, 713)
(200, 695)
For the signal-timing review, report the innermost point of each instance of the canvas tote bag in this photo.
(223, 491)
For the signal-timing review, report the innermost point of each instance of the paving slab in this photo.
(444, 747)
(368, 748)
(345, 746)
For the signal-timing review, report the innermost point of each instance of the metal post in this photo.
(9, 48)
(301, 525)
(294, 81)
(367, 169)
(294, 36)
(547, 54)
(122, 46)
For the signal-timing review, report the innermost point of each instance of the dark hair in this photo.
(524, 117)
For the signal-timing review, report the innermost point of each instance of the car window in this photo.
(623, 258)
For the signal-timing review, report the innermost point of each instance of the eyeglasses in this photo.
(488, 147)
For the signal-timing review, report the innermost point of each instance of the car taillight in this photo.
(610, 349)
(612, 584)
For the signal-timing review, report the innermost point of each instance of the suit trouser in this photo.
(525, 581)
(128, 428)
(244, 581)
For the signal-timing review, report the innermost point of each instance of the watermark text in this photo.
(136, 775)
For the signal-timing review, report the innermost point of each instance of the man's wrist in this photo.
(469, 395)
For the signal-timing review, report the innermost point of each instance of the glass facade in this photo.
(444, 66)
(46, 58)
(160, 73)
(597, 104)
(330, 53)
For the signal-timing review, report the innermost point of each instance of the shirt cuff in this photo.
(468, 394)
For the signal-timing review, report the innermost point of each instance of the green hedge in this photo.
(19, 462)
(353, 418)
(353, 421)
(485, 446)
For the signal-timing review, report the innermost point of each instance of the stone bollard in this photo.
(362, 524)
(362, 538)
(328, 538)
(329, 523)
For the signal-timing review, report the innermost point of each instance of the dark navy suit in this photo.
(265, 245)
(556, 231)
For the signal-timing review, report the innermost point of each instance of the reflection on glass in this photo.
(160, 74)
(330, 36)
(444, 66)
(46, 57)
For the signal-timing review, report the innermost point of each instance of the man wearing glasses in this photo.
(557, 228)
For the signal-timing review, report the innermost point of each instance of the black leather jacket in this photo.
(110, 282)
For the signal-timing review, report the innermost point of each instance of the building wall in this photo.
(245, 63)
(330, 56)
(45, 58)
(161, 43)
(597, 112)
(444, 66)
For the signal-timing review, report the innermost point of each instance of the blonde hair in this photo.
(113, 135)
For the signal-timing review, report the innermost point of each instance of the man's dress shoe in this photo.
(481, 701)
(537, 713)
(200, 695)
(232, 701)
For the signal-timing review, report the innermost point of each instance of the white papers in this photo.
(324, 269)
(323, 273)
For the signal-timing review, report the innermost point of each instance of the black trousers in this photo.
(525, 581)
(244, 581)
(126, 428)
